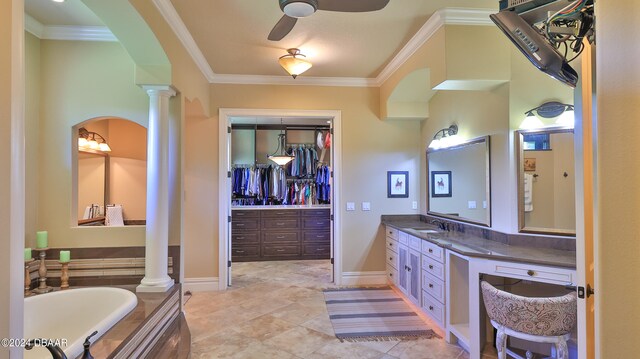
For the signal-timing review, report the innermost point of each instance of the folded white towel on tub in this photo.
(528, 192)
(114, 216)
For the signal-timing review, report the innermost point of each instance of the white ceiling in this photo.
(232, 35)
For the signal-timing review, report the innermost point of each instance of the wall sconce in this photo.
(446, 137)
(294, 63)
(88, 140)
(552, 109)
(279, 157)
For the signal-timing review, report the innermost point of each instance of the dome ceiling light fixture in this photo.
(294, 62)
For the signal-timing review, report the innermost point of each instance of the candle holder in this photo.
(27, 278)
(42, 272)
(64, 275)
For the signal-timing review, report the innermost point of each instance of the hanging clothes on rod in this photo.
(305, 159)
(266, 183)
(323, 184)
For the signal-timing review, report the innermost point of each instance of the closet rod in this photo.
(279, 127)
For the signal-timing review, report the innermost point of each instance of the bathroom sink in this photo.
(428, 231)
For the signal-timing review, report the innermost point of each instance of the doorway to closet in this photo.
(280, 223)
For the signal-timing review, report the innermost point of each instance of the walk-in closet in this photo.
(281, 193)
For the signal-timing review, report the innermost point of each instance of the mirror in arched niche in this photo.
(111, 172)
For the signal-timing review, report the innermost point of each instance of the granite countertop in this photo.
(301, 206)
(474, 246)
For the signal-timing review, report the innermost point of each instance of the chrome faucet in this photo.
(56, 352)
(442, 225)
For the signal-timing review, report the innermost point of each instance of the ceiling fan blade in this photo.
(352, 5)
(282, 28)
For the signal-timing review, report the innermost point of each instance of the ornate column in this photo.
(156, 278)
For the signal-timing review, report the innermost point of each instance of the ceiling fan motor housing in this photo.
(298, 8)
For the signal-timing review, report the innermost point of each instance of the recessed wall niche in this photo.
(111, 182)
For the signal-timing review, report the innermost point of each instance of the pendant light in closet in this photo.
(279, 157)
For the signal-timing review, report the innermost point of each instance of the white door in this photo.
(414, 276)
(403, 279)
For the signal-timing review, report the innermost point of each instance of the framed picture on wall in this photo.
(441, 184)
(529, 164)
(397, 184)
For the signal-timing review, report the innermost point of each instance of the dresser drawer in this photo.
(433, 286)
(243, 213)
(415, 243)
(392, 275)
(323, 223)
(279, 213)
(318, 213)
(245, 224)
(242, 238)
(317, 236)
(392, 259)
(280, 251)
(279, 223)
(432, 267)
(433, 251)
(323, 250)
(392, 232)
(403, 238)
(244, 251)
(268, 237)
(392, 245)
(533, 272)
(433, 308)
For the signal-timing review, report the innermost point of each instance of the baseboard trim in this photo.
(364, 278)
(206, 284)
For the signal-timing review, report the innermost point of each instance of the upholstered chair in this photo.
(542, 320)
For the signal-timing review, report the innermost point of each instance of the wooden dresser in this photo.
(280, 234)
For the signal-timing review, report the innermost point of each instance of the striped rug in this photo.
(373, 314)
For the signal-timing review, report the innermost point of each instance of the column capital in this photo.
(161, 90)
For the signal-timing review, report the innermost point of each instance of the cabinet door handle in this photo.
(409, 269)
(319, 223)
(279, 224)
(319, 249)
(240, 214)
(391, 244)
(279, 250)
(240, 224)
(239, 238)
(239, 251)
(430, 266)
(430, 250)
(280, 237)
(280, 213)
(531, 273)
(430, 285)
(390, 258)
(319, 236)
(431, 308)
(390, 274)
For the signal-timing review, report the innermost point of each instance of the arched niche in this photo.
(113, 175)
(409, 100)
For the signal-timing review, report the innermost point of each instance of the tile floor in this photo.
(277, 310)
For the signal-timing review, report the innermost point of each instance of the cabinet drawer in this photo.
(317, 236)
(279, 213)
(392, 232)
(245, 224)
(433, 308)
(323, 223)
(280, 251)
(318, 213)
(433, 251)
(316, 250)
(279, 223)
(268, 237)
(432, 267)
(392, 259)
(415, 243)
(242, 238)
(245, 251)
(403, 238)
(243, 213)
(392, 245)
(392, 275)
(535, 273)
(433, 286)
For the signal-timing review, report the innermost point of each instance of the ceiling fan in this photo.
(294, 9)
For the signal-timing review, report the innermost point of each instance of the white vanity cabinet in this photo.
(392, 255)
(434, 301)
(403, 263)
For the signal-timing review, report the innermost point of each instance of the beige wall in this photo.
(618, 197)
(370, 148)
(32, 119)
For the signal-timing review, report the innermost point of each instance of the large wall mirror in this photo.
(458, 182)
(546, 181)
(111, 172)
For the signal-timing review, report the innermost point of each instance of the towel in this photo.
(528, 192)
(87, 213)
(114, 216)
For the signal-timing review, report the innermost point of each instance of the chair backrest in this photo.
(551, 316)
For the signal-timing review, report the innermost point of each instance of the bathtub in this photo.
(73, 315)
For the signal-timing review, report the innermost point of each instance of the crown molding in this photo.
(180, 29)
(75, 33)
(447, 16)
(288, 80)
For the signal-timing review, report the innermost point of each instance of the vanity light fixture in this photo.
(279, 157)
(446, 137)
(88, 140)
(294, 62)
(551, 109)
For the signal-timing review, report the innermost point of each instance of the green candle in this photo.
(41, 239)
(65, 256)
(27, 254)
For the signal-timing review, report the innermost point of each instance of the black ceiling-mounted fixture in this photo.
(294, 9)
